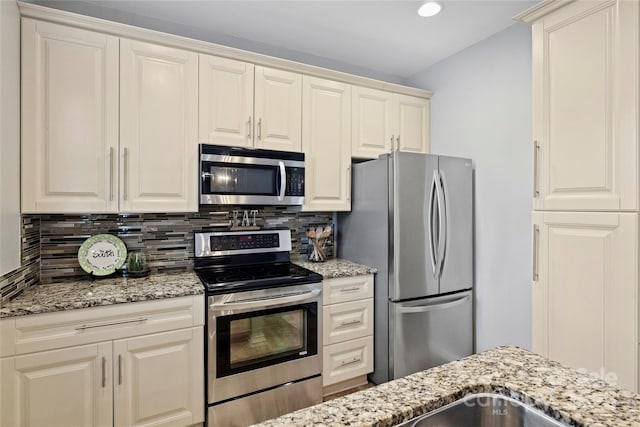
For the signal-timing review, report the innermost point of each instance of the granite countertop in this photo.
(335, 268)
(565, 394)
(47, 298)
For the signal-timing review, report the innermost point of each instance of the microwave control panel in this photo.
(295, 182)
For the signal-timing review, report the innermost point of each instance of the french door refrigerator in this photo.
(412, 219)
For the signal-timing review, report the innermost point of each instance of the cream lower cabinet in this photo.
(68, 387)
(585, 292)
(142, 380)
(245, 105)
(326, 143)
(155, 378)
(585, 106)
(347, 326)
(385, 121)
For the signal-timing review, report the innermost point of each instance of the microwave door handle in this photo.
(283, 180)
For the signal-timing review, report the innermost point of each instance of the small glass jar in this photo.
(137, 265)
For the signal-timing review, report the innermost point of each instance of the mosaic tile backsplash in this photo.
(14, 282)
(166, 238)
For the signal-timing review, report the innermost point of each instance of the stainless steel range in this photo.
(264, 327)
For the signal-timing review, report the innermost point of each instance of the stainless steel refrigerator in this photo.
(412, 218)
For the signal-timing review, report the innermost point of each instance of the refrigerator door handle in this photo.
(432, 244)
(441, 224)
(434, 306)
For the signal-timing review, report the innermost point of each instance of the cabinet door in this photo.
(226, 102)
(69, 387)
(413, 124)
(278, 108)
(158, 126)
(326, 132)
(585, 109)
(584, 293)
(11, 223)
(373, 124)
(159, 379)
(69, 119)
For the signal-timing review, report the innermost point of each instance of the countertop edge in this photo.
(82, 294)
(565, 394)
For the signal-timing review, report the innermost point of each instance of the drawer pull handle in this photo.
(350, 322)
(352, 289)
(102, 325)
(350, 362)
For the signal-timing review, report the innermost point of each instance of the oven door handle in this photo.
(267, 301)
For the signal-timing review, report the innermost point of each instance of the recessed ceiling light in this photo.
(430, 8)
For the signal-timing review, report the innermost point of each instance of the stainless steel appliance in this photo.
(264, 327)
(243, 176)
(411, 218)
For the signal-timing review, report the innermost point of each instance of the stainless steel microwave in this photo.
(243, 176)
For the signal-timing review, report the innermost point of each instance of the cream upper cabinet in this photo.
(278, 110)
(584, 295)
(69, 119)
(373, 125)
(243, 105)
(68, 387)
(226, 102)
(412, 133)
(158, 128)
(157, 379)
(11, 223)
(385, 121)
(326, 133)
(585, 108)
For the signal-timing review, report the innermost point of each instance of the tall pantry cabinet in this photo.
(585, 186)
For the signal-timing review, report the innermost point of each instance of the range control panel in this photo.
(245, 241)
(223, 243)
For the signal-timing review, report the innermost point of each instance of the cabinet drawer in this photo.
(346, 360)
(347, 289)
(346, 321)
(39, 332)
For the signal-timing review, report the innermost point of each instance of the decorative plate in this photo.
(102, 254)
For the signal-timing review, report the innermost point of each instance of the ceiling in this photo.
(378, 38)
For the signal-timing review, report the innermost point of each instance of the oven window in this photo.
(243, 180)
(261, 338)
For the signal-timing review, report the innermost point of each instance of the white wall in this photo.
(481, 108)
(9, 136)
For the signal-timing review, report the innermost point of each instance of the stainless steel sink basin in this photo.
(484, 410)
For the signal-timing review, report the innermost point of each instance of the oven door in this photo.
(249, 180)
(261, 339)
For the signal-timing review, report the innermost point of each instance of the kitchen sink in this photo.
(484, 410)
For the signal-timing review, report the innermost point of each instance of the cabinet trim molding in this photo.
(539, 10)
(170, 40)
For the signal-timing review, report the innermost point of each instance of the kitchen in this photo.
(502, 286)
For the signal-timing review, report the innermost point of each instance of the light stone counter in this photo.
(565, 394)
(86, 293)
(335, 268)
